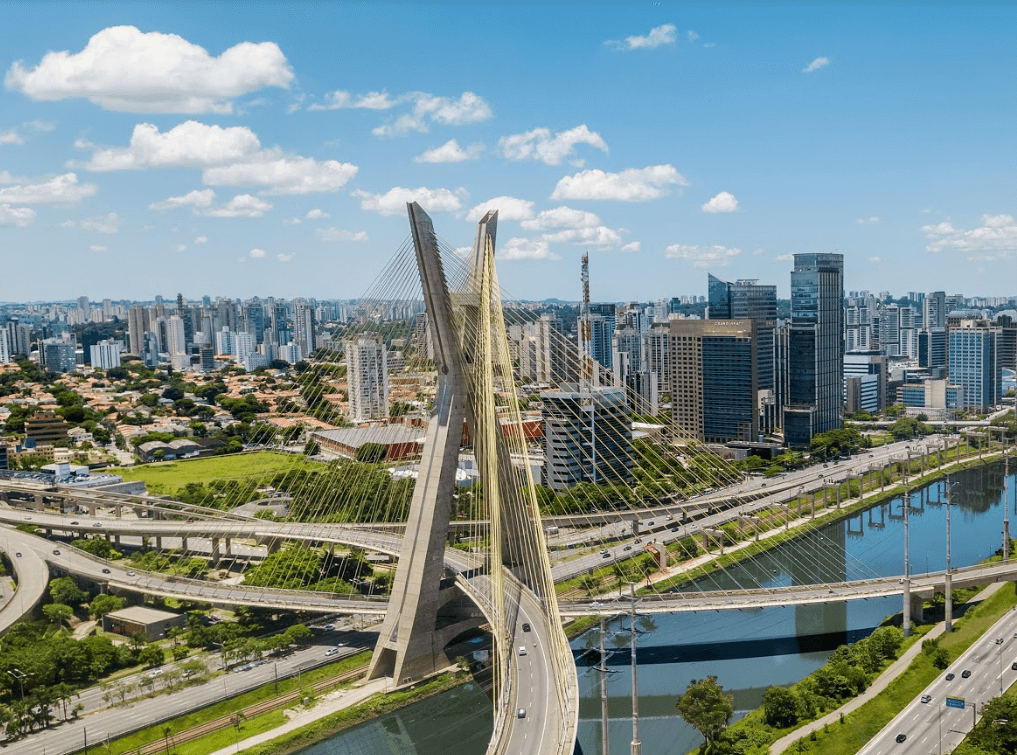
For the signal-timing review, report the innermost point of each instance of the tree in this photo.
(104, 604)
(706, 708)
(371, 452)
(152, 656)
(997, 731)
(65, 590)
(57, 613)
(780, 706)
(312, 448)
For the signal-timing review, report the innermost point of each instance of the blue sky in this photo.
(268, 149)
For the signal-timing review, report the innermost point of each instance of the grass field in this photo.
(165, 477)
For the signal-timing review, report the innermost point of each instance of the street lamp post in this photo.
(20, 676)
(948, 587)
(637, 747)
(907, 562)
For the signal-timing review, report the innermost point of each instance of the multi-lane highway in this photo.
(927, 725)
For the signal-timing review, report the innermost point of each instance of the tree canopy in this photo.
(706, 708)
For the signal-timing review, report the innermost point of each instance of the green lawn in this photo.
(166, 477)
(859, 727)
(225, 737)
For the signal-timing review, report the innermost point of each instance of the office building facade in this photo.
(367, 378)
(587, 436)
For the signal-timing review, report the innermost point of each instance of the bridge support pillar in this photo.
(229, 546)
(117, 510)
(917, 608)
(38, 501)
(116, 539)
(91, 508)
(948, 603)
(906, 612)
(214, 558)
(158, 543)
(183, 543)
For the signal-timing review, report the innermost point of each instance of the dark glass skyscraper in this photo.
(815, 348)
(748, 300)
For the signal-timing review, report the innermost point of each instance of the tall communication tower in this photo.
(585, 350)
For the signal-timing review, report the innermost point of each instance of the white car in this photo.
(522, 650)
(331, 651)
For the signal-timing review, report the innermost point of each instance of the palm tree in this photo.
(166, 735)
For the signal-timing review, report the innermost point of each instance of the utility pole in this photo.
(907, 560)
(606, 739)
(948, 592)
(1006, 506)
(637, 746)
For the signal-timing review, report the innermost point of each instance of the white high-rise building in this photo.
(244, 344)
(5, 347)
(176, 342)
(106, 355)
(367, 375)
(225, 342)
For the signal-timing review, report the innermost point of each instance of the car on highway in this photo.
(97, 524)
(28, 518)
(901, 737)
(926, 698)
(521, 713)
(649, 524)
(74, 522)
(18, 554)
(627, 548)
(965, 674)
(132, 574)
(605, 554)
(331, 651)
(329, 627)
(1013, 666)
(526, 627)
(522, 650)
(56, 552)
(949, 677)
(105, 571)
(999, 640)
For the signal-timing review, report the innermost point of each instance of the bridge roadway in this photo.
(527, 682)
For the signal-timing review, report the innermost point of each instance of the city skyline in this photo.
(260, 152)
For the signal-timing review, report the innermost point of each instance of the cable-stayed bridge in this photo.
(503, 576)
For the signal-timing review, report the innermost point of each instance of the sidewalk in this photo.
(891, 672)
(324, 706)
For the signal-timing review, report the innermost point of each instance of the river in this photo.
(746, 650)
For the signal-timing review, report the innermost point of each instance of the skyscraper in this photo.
(5, 347)
(303, 329)
(715, 389)
(367, 378)
(105, 355)
(975, 364)
(748, 300)
(587, 436)
(815, 348)
(138, 323)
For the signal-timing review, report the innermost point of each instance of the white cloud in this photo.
(538, 144)
(181, 247)
(292, 221)
(723, 202)
(285, 175)
(702, 256)
(561, 217)
(40, 125)
(18, 217)
(632, 246)
(509, 208)
(201, 240)
(659, 35)
(103, 224)
(316, 214)
(60, 190)
(256, 254)
(197, 199)
(241, 206)
(692, 36)
(122, 68)
(785, 258)
(599, 236)
(337, 234)
(870, 220)
(875, 259)
(526, 249)
(97, 248)
(630, 185)
(996, 238)
(393, 202)
(229, 156)
(427, 108)
(450, 152)
(188, 145)
(816, 64)
(285, 257)
(10, 137)
(342, 99)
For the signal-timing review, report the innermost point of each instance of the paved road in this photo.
(932, 727)
(103, 721)
(32, 572)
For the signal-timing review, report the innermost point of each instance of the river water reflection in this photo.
(746, 650)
